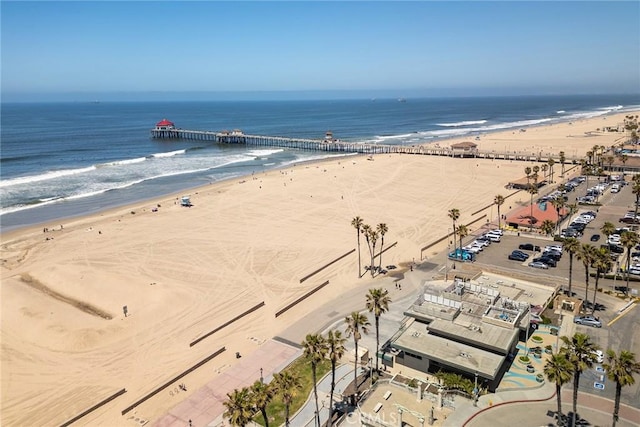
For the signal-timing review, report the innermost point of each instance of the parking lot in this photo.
(617, 332)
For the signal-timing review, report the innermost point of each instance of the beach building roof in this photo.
(164, 122)
(541, 212)
(524, 182)
(464, 145)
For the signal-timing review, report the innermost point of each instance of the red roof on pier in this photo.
(164, 122)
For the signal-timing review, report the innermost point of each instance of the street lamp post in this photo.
(261, 378)
(446, 260)
(475, 389)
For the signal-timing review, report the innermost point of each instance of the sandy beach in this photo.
(182, 272)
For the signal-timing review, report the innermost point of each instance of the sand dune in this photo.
(182, 272)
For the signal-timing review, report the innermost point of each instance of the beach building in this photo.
(464, 149)
(165, 124)
(534, 216)
(470, 327)
(525, 183)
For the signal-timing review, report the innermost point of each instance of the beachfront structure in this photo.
(534, 216)
(471, 327)
(464, 149)
(165, 129)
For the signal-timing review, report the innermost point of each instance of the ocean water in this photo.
(66, 159)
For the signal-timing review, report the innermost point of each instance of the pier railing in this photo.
(332, 145)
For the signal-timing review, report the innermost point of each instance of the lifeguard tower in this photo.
(185, 201)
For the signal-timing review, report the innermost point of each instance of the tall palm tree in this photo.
(261, 396)
(602, 264)
(581, 353)
(382, 230)
(315, 350)
(559, 370)
(373, 238)
(629, 239)
(462, 232)
(620, 368)
(571, 246)
(547, 226)
(378, 303)
(558, 203)
(563, 159)
(573, 208)
(357, 324)
(335, 346)
(544, 169)
(365, 229)
(238, 407)
(454, 214)
(608, 229)
(499, 201)
(609, 160)
(586, 254)
(635, 189)
(624, 158)
(551, 162)
(357, 223)
(288, 386)
(533, 189)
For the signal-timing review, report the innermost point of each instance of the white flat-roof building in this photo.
(468, 327)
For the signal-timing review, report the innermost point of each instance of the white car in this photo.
(599, 356)
(483, 243)
(557, 248)
(493, 237)
(472, 249)
(497, 231)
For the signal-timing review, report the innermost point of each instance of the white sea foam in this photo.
(169, 153)
(464, 123)
(44, 177)
(263, 153)
(123, 162)
(560, 112)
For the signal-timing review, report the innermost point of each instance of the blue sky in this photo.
(146, 49)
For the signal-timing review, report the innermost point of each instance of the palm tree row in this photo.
(241, 405)
(578, 354)
(371, 235)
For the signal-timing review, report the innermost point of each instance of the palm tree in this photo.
(635, 189)
(454, 214)
(559, 370)
(586, 254)
(499, 201)
(357, 223)
(315, 350)
(620, 368)
(261, 396)
(533, 189)
(608, 229)
(527, 172)
(239, 410)
(571, 246)
(551, 162)
(378, 303)
(580, 351)
(563, 159)
(288, 386)
(462, 232)
(609, 160)
(382, 230)
(547, 226)
(544, 169)
(335, 346)
(602, 264)
(629, 239)
(373, 238)
(558, 203)
(624, 158)
(365, 229)
(357, 324)
(573, 208)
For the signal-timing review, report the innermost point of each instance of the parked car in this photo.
(549, 261)
(518, 256)
(595, 237)
(554, 255)
(529, 247)
(538, 265)
(599, 356)
(588, 321)
(589, 305)
(493, 237)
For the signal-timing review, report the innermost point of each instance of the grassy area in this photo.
(302, 368)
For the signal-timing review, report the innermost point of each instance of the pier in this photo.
(166, 130)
